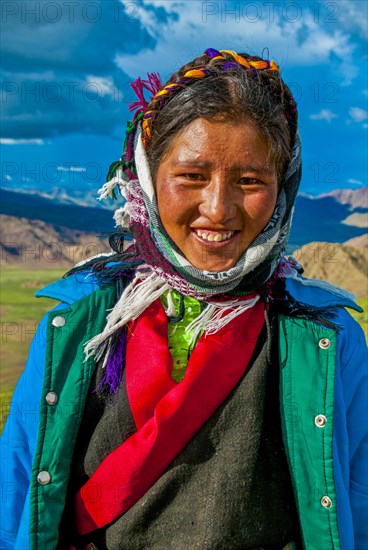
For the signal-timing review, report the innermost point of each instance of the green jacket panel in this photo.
(68, 375)
(307, 369)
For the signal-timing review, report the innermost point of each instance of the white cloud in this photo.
(358, 114)
(17, 77)
(300, 42)
(71, 169)
(355, 182)
(351, 14)
(103, 86)
(10, 141)
(325, 114)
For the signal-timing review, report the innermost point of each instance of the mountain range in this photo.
(330, 217)
(329, 233)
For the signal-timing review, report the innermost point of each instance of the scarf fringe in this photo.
(137, 296)
(107, 190)
(140, 294)
(217, 315)
(122, 217)
(170, 311)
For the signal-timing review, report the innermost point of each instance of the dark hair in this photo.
(232, 93)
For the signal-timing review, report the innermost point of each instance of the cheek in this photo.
(174, 202)
(164, 200)
(261, 206)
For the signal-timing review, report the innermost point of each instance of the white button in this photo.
(189, 309)
(320, 421)
(58, 321)
(326, 502)
(44, 478)
(324, 343)
(51, 398)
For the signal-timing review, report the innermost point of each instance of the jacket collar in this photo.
(307, 291)
(318, 293)
(70, 289)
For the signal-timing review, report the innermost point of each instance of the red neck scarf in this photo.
(167, 413)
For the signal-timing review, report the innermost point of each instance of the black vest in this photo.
(228, 489)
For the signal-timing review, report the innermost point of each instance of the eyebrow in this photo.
(240, 168)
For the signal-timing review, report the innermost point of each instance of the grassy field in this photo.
(20, 313)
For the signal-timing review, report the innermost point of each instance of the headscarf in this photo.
(162, 266)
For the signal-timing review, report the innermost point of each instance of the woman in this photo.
(220, 405)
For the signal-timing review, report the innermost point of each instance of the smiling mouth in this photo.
(214, 236)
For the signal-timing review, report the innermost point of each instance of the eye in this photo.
(249, 181)
(193, 177)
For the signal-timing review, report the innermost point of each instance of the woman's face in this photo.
(216, 191)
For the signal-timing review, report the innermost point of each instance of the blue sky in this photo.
(67, 65)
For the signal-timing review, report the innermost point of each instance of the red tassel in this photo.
(138, 87)
(153, 84)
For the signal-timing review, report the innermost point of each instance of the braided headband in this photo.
(202, 73)
(143, 112)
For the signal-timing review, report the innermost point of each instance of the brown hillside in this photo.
(358, 242)
(36, 244)
(340, 264)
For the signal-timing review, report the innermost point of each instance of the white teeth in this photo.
(214, 237)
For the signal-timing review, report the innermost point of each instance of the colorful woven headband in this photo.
(198, 73)
(225, 60)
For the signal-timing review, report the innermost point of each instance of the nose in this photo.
(218, 200)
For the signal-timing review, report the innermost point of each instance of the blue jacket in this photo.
(350, 420)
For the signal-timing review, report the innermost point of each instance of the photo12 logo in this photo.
(69, 11)
(253, 12)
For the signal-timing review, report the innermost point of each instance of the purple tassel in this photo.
(129, 149)
(130, 174)
(114, 366)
